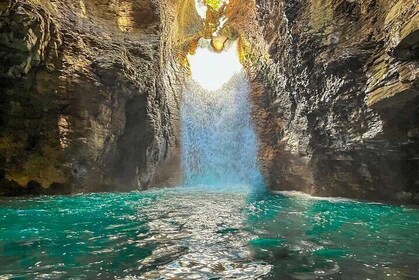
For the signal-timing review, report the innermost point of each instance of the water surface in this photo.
(197, 234)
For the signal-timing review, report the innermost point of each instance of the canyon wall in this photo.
(340, 97)
(86, 101)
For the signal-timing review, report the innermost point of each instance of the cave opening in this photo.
(212, 69)
(209, 139)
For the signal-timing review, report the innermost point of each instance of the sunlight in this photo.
(201, 6)
(211, 69)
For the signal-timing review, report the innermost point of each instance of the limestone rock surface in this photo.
(340, 97)
(85, 104)
(90, 90)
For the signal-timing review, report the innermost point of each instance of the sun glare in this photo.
(211, 69)
(201, 6)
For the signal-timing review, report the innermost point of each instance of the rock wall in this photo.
(85, 102)
(90, 90)
(338, 104)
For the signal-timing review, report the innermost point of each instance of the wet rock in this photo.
(33, 188)
(340, 97)
(86, 104)
(11, 188)
(90, 94)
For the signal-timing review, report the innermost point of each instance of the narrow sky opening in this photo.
(211, 69)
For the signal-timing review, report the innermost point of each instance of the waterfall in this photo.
(218, 140)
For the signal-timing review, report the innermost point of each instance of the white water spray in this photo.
(218, 140)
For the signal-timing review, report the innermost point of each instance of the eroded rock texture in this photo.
(90, 93)
(340, 97)
(85, 100)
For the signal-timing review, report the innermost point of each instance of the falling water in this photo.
(218, 139)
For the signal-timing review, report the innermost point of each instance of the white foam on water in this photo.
(305, 196)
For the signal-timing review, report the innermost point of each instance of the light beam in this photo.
(211, 69)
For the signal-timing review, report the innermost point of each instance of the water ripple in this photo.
(196, 234)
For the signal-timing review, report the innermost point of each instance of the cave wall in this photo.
(338, 99)
(85, 100)
(90, 90)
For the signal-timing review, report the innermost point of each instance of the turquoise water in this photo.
(196, 234)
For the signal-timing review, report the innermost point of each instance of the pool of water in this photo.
(196, 234)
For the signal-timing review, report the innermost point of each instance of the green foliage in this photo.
(214, 3)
